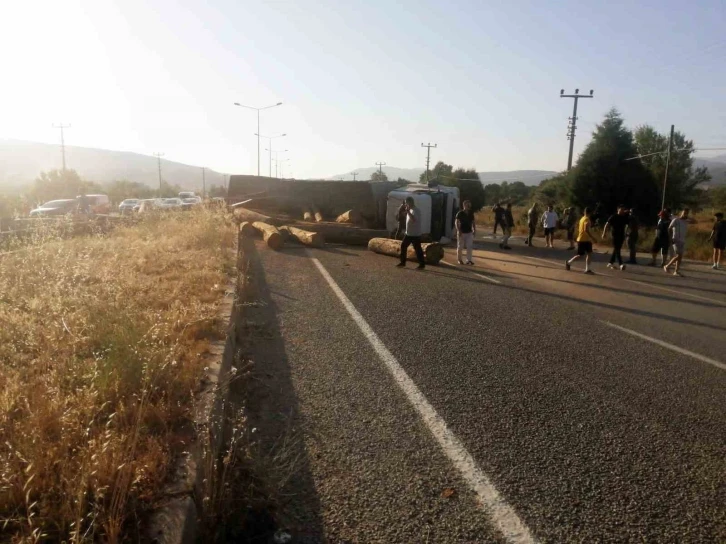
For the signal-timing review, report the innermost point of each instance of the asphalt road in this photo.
(595, 406)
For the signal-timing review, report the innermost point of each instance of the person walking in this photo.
(532, 218)
(718, 235)
(661, 242)
(549, 222)
(677, 230)
(585, 238)
(616, 224)
(413, 234)
(570, 224)
(465, 231)
(632, 236)
(401, 218)
(498, 218)
(508, 226)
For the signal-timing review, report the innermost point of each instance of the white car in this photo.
(170, 203)
(128, 205)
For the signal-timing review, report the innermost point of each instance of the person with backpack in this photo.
(718, 235)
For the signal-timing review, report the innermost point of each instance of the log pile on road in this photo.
(433, 252)
(305, 237)
(270, 234)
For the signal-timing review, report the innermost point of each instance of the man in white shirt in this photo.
(549, 222)
(413, 235)
(677, 230)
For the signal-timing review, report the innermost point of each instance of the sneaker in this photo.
(400, 265)
(622, 267)
(507, 247)
(421, 267)
(676, 273)
(567, 265)
(610, 265)
(665, 269)
(715, 267)
(461, 262)
(470, 263)
(590, 272)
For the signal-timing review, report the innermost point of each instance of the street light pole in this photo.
(258, 126)
(269, 138)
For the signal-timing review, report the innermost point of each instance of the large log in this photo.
(313, 239)
(270, 234)
(243, 214)
(316, 213)
(433, 252)
(351, 216)
(343, 234)
(247, 229)
(308, 215)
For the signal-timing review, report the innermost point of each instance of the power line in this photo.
(428, 157)
(572, 125)
(62, 127)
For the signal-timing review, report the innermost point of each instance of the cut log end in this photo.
(433, 252)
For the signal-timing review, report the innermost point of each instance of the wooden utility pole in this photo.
(354, 174)
(158, 160)
(62, 127)
(668, 160)
(428, 157)
(572, 124)
(204, 184)
(380, 166)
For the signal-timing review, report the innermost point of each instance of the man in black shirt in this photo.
(498, 217)
(633, 228)
(508, 226)
(465, 230)
(718, 235)
(617, 224)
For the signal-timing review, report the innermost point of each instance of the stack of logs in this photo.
(315, 234)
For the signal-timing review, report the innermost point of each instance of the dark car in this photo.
(55, 208)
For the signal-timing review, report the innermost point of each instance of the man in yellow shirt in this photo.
(585, 238)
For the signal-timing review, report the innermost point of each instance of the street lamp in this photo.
(279, 163)
(270, 144)
(258, 110)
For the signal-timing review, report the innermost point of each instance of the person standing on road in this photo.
(532, 217)
(498, 218)
(401, 218)
(570, 224)
(585, 238)
(413, 234)
(465, 231)
(718, 235)
(632, 236)
(508, 226)
(549, 222)
(661, 242)
(617, 224)
(677, 230)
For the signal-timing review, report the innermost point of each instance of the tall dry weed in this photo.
(101, 340)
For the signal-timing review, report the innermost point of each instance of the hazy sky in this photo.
(361, 82)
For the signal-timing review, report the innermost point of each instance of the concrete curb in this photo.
(177, 519)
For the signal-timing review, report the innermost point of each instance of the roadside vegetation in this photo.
(101, 345)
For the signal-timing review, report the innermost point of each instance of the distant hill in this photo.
(716, 167)
(528, 177)
(21, 162)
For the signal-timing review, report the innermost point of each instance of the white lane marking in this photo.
(553, 263)
(661, 343)
(503, 516)
(676, 291)
(475, 273)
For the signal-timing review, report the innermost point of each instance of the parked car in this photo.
(98, 203)
(186, 194)
(127, 206)
(147, 204)
(170, 204)
(189, 203)
(55, 208)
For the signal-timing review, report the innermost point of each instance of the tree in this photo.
(717, 197)
(683, 187)
(556, 190)
(603, 178)
(217, 191)
(469, 184)
(122, 189)
(492, 193)
(57, 184)
(441, 170)
(379, 176)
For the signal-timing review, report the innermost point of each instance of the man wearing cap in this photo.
(718, 235)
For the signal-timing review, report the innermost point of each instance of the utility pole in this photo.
(668, 160)
(158, 160)
(354, 174)
(62, 127)
(428, 157)
(380, 166)
(204, 184)
(572, 124)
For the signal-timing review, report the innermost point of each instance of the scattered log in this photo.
(270, 234)
(243, 214)
(313, 239)
(351, 216)
(316, 213)
(308, 215)
(246, 229)
(433, 252)
(339, 233)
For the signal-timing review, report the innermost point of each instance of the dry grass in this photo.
(697, 245)
(101, 343)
